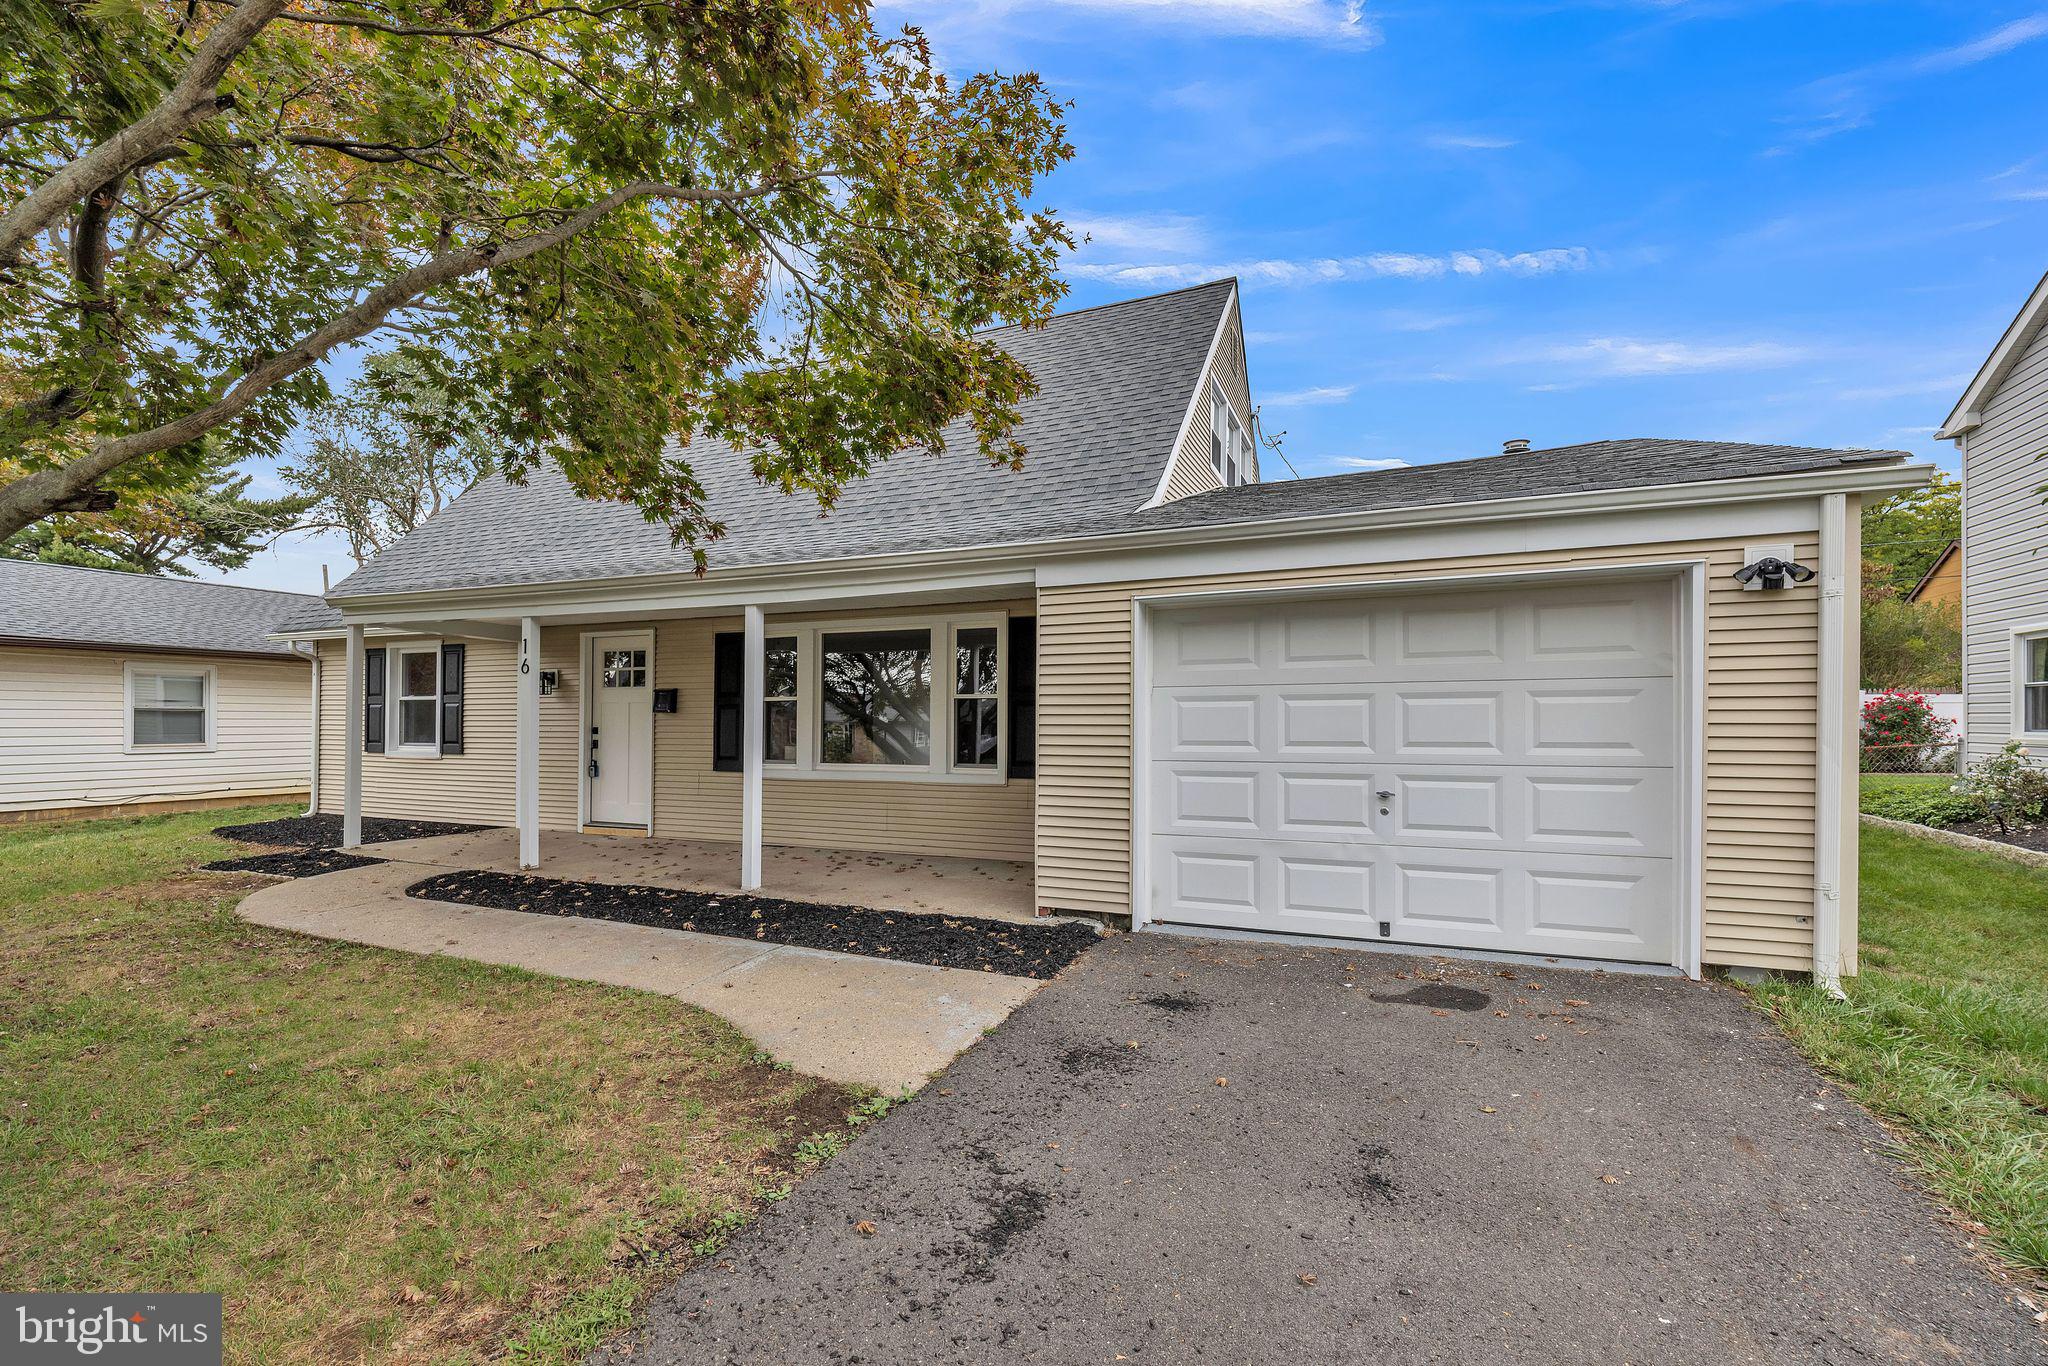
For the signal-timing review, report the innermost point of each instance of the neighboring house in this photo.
(1943, 581)
(125, 692)
(2001, 427)
(1515, 704)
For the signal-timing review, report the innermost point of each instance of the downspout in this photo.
(312, 652)
(1832, 708)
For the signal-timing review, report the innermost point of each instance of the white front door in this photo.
(618, 752)
(1485, 768)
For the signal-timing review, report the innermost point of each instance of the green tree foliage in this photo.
(615, 223)
(1905, 534)
(1917, 645)
(210, 519)
(392, 452)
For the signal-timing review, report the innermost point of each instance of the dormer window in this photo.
(1230, 446)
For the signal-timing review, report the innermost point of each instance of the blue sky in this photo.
(1458, 223)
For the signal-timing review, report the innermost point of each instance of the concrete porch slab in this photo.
(986, 888)
(834, 1015)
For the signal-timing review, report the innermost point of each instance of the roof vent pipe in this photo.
(1515, 445)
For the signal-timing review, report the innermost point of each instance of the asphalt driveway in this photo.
(1185, 1150)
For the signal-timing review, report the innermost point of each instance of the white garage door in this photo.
(1489, 769)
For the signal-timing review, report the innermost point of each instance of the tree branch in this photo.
(193, 100)
(35, 495)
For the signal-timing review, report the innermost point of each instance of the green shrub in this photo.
(1922, 803)
(2008, 787)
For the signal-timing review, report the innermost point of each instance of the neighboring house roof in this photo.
(1948, 552)
(1114, 384)
(2019, 335)
(60, 604)
(1588, 467)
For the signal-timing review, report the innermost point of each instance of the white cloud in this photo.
(1313, 397)
(2032, 194)
(1340, 269)
(1631, 357)
(1172, 234)
(1951, 385)
(1335, 21)
(1844, 102)
(1469, 142)
(1359, 462)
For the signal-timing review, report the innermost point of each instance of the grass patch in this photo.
(1945, 1032)
(373, 1156)
(1922, 798)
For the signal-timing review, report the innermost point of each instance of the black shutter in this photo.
(728, 684)
(1023, 697)
(453, 658)
(373, 701)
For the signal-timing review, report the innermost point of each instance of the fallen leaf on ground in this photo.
(865, 1228)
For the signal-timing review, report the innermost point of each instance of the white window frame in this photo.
(944, 628)
(210, 681)
(394, 700)
(796, 754)
(1230, 442)
(2023, 637)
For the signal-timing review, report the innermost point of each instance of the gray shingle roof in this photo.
(64, 605)
(1114, 384)
(1632, 462)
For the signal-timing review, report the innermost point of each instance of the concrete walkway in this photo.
(834, 1015)
(1187, 1151)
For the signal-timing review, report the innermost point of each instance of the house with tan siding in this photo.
(130, 693)
(2000, 426)
(1589, 702)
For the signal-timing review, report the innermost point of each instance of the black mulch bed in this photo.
(296, 863)
(1017, 950)
(324, 832)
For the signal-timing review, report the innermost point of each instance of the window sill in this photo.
(167, 749)
(416, 752)
(883, 775)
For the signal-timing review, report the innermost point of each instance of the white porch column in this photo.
(352, 741)
(750, 753)
(526, 746)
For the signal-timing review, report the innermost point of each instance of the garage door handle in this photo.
(1385, 796)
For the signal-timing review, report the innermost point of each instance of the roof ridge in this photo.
(155, 578)
(1230, 280)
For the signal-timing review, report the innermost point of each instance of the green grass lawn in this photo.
(373, 1156)
(1945, 1032)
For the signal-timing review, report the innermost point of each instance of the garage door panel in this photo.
(1618, 722)
(1196, 724)
(1532, 902)
(1325, 803)
(1334, 724)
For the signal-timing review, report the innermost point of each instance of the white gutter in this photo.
(1830, 849)
(732, 587)
(313, 749)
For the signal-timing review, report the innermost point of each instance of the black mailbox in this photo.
(664, 701)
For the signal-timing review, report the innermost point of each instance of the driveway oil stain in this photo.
(1437, 996)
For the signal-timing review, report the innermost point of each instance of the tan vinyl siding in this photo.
(474, 786)
(63, 727)
(2005, 542)
(691, 800)
(1194, 467)
(1762, 654)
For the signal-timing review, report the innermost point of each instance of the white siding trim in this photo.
(1200, 396)
(1690, 575)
